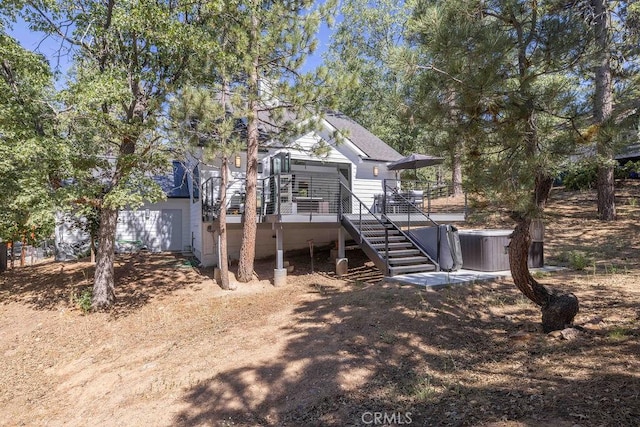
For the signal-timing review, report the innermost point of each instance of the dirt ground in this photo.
(322, 351)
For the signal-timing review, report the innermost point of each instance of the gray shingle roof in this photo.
(174, 182)
(374, 147)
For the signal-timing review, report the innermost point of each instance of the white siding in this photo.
(195, 209)
(366, 189)
(209, 250)
(302, 149)
(195, 228)
(296, 236)
(67, 232)
(159, 226)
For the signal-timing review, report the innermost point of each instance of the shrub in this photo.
(578, 260)
(83, 300)
(581, 175)
(628, 170)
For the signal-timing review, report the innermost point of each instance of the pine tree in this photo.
(278, 100)
(364, 48)
(524, 99)
(451, 67)
(603, 108)
(128, 57)
(201, 118)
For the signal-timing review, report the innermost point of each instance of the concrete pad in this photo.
(438, 279)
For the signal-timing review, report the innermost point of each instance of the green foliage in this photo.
(31, 154)
(128, 57)
(423, 389)
(363, 51)
(578, 260)
(628, 169)
(494, 76)
(582, 175)
(82, 299)
(619, 333)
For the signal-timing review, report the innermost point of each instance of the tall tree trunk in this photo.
(518, 263)
(558, 310)
(602, 110)
(249, 229)
(222, 227)
(23, 251)
(104, 281)
(456, 143)
(456, 169)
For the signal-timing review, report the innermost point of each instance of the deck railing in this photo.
(427, 196)
(301, 194)
(406, 207)
(281, 194)
(313, 195)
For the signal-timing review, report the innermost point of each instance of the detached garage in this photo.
(162, 226)
(158, 227)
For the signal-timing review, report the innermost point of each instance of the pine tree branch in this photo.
(437, 70)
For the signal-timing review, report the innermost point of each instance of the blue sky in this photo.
(50, 46)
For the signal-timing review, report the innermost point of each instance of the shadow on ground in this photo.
(436, 357)
(139, 278)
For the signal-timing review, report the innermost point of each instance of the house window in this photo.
(281, 163)
(303, 189)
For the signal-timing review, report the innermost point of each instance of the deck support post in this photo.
(342, 263)
(280, 273)
(341, 242)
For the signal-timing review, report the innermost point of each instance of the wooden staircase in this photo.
(390, 249)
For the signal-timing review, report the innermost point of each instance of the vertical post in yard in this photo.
(278, 190)
(339, 201)
(310, 241)
(342, 264)
(280, 273)
(384, 197)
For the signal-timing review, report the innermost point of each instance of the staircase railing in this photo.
(405, 204)
(410, 206)
(435, 197)
(210, 203)
(362, 219)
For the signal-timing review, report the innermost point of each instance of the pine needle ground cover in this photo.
(177, 350)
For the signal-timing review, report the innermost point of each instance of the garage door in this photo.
(169, 230)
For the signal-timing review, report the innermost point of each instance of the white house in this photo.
(161, 226)
(301, 197)
(298, 192)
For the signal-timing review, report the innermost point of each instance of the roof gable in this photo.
(371, 145)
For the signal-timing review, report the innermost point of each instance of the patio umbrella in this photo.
(415, 161)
